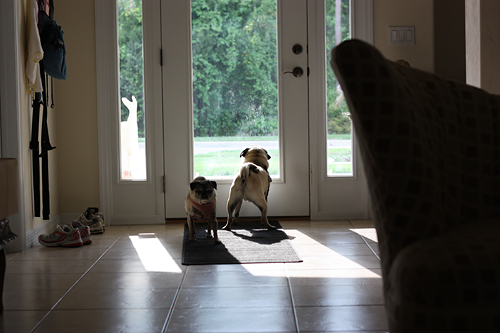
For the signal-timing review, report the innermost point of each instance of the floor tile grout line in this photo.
(174, 302)
(366, 242)
(371, 249)
(74, 284)
(288, 273)
(12, 257)
(295, 319)
(342, 305)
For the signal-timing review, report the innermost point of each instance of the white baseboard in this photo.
(45, 228)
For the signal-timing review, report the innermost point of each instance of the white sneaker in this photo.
(65, 235)
(84, 232)
(90, 212)
(94, 223)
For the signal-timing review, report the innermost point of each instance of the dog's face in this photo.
(201, 204)
(202, 190)
(257, 155)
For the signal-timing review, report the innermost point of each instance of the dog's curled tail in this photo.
(245, 172)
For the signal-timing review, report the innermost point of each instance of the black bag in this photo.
(54, 49)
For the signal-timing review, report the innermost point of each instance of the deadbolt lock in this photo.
(297, 49)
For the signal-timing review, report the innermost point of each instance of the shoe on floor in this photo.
(65, 235)
(84, 232)
(95, 223)
(90, 212)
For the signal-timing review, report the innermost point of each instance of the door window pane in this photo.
(235, 83)
(132, 131)
(339, 147)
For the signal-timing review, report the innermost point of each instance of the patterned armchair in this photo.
(431, 151)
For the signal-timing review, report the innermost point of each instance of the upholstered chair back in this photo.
(430, 147)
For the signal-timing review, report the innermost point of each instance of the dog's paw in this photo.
(192, 239)
(226, 227)
(209, 235)
(271, 227)
(217, 241)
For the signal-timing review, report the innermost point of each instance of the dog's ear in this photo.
(244, 152)
(214, 184)
(194, 184)
(267, 154)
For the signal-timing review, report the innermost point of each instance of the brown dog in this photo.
(251, 184)
(201, 204)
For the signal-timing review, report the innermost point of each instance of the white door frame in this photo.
(289, 193)
(326, 201)
(118, 196)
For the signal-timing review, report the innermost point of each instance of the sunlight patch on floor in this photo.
(153, 254)
(348, 268)
(369, 233)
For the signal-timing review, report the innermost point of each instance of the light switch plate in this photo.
(401, 35)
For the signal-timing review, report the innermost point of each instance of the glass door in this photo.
(338, 185)
(228, 83)
(128, 99)
(218, 76)
(235, 89)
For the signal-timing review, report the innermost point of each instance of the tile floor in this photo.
(123, 283)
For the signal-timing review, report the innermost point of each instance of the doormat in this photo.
(247, 242)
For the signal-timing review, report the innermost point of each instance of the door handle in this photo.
(297, 72)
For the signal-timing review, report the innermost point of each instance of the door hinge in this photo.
(161, 57)
(164, 184)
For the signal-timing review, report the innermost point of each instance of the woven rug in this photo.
(247, 242)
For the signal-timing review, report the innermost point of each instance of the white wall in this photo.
(417, 13)
(483, 44)
(76, 118)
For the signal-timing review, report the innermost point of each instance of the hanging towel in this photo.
(34, 53)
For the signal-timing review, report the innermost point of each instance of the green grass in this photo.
(339, 136)
(235, 138)
(228, 162)
(254, 138)
(259, 138)
(334, 169)
(339, 155)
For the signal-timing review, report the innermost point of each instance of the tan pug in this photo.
(201, 204)
(251, 184)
